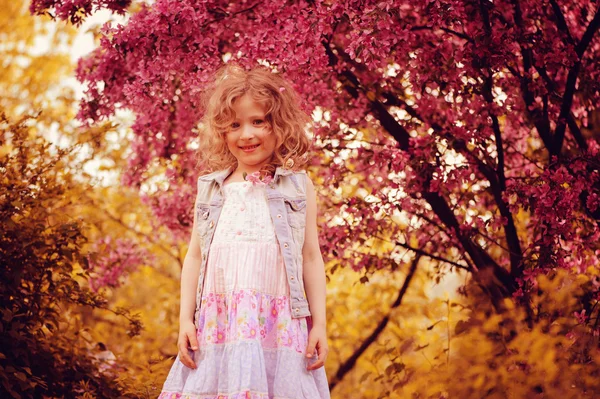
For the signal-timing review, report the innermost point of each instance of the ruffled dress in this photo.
(250, 346)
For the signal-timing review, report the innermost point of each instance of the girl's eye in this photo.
(235, 125)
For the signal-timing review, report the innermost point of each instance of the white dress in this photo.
(250, 345)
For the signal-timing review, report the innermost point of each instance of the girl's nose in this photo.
(247, 131)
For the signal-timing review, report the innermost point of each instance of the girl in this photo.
(252, 317)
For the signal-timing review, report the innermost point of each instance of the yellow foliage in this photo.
(31, 81)
(461, 348)
(518, 358)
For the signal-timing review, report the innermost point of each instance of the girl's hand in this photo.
(317, 338)
(187, 338)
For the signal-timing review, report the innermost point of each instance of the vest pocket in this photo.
(296, 217)
(296, 212)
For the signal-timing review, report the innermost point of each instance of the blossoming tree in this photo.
(465, 132)
(460, 114)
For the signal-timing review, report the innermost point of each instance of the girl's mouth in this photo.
(250, 148)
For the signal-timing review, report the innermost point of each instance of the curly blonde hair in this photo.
(283, 116)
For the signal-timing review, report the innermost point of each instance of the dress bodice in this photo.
(245, 215)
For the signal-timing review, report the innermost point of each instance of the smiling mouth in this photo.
(250, 147)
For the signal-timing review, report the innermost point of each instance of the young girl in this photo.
(252, 317)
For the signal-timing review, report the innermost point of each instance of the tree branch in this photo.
(353, 85)
(561, 24)
(447, 30)
(497, 280)
(139, 233)
(498, 179)
(565, 108)
(573, 128)
(349, 363)
(420, 252)
(542, 124)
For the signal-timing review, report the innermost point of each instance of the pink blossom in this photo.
(447, 131)
(111, 260)
(256, 180)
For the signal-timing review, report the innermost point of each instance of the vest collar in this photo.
(221, 175)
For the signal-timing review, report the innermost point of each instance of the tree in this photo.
(48, 347)
(464, 132)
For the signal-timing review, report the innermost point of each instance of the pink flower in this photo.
(581, 317)
(255, 179)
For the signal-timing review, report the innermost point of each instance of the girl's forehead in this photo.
(248, 105)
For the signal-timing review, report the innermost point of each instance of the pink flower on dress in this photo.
(255, 179)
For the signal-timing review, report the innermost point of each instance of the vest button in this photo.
(279, 216)
(292, 278)
(297, 310)
(285, 244)
(205, 215)
(211, 224)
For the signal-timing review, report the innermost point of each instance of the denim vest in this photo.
(286, 197)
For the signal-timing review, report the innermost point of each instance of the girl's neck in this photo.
(240, 169)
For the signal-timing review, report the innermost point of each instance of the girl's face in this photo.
(249, 137)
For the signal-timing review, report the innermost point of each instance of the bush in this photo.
(43, 346)
(553, 354)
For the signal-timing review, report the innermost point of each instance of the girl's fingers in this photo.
(186, 359)
(316, 365)
(184, 355)
(193, 340)
(320, 360)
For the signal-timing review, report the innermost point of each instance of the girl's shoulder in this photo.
(286, 172)
(218, 175)
(208, 176)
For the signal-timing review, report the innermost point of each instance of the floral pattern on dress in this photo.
(250, 314)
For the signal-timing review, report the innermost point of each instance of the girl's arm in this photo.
(313, 272)
(189, 276)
